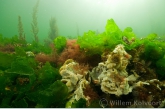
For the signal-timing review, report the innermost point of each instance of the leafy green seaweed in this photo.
(27, 83)
(60, 43)
(5, 60)
(21, 66)
(53, 95)
(48, 74)
(81, 103)
(93, 43)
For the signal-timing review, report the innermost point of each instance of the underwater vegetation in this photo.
(53, 33)
(20, 29)
(114, 69)
(34, 23)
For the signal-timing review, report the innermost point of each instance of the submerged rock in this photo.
(112, 74)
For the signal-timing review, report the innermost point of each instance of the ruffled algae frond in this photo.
(113, 76)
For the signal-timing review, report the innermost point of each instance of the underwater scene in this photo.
(82, 54)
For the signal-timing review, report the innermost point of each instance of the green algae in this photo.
(28, 83)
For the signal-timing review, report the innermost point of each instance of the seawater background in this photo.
(144, 16)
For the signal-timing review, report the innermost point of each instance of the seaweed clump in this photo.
(34, 23)
(114, 65)
(113, 77)
(20, 29)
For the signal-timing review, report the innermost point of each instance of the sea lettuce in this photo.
(128, 33)
(60, 43)
(81, 103)
(54, 95)
(93, 43)
(48, 74)
(6, 60)
(21, 66)
(112, 30)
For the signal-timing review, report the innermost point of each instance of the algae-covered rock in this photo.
(74, 78)
(113, 76)
(78, 94)
(71, 74)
